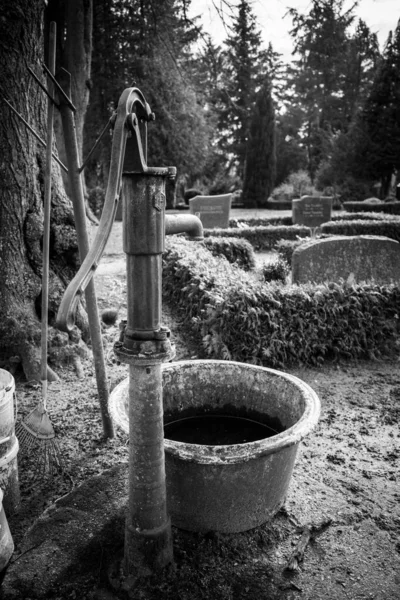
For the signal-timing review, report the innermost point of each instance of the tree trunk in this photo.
(74, 22)
(21, 192)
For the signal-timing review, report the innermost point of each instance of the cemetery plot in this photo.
(311, 211)
(213, 211)
(360, 258)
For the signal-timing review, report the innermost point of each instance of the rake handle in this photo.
(46, 211)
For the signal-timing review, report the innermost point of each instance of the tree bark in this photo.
(22, 165)
(75, 23)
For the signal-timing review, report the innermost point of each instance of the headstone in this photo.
(311, 211)
(351, 258)
(214, 211)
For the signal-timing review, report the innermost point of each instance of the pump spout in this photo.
(185, 224)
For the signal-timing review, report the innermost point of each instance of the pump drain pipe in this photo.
(184, 224)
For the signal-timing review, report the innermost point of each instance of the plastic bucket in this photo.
(6, 541)
(8, 444)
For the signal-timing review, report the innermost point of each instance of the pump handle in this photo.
(132, 114)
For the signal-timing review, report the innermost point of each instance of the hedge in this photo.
(385, 227)
(388, 227)
(265, 221)
(275, 325)
(264, 237)
(276, 270)
(235, 250)
(267, 237)
(341, 216)
(363, 216)
(392, 208)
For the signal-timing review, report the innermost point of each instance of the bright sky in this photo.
(381, 16)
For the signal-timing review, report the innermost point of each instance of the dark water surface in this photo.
(218, 430)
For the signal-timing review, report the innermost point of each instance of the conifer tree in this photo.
(148, 44)
(260, 169)
(245, 70)
(378, 128)
(336, 61)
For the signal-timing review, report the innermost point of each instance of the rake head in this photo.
(37, 442)
(38, 424)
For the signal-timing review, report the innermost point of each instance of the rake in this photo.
(35, 433)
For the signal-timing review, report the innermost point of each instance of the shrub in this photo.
(235, 250)
(388, 227)
(353, 190)
(243, 223)
(297, 184)
(301, 183)
(276, 270)
(191, 193)
(267, 237)
(262, 238)
(285, 249)
(284, 189)
(274, 324)
(391, 208)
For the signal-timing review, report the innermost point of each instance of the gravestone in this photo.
(214, 211)
(311, 211)
(351, 258)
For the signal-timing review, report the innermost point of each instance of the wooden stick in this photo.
(46, 211)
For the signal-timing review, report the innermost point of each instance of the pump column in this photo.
(145, 346)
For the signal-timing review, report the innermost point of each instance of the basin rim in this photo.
(234, 453)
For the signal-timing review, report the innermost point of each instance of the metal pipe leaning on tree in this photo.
(75, 181)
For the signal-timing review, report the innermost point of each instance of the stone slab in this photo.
(312, 211)
(359, 257)
(213, 211)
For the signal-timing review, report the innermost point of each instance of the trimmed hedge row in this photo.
(342, 216)
(235, 250)
(265, 221)
(242, 319)
(267, 237)
(264, 237)
(392, 208)
(388, 227)
(363, 216)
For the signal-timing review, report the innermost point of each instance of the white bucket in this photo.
(8, 444)
(6, 541)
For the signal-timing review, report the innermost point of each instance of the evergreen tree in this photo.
(260, 170)
(378, 128)
(244, 72)
(291, 155)
(148, 44)
(330, 79)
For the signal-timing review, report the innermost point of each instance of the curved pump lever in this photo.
(132, 114)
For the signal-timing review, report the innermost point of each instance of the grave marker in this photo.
(311, 211)
(351, 258)
(214, 211)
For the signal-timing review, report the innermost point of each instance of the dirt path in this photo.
(343, 502)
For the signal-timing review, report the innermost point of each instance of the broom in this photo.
(35, 433)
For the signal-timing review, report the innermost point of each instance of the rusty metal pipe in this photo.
(185, 224)
(146, 345)
(144, 293)
(148, 538)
